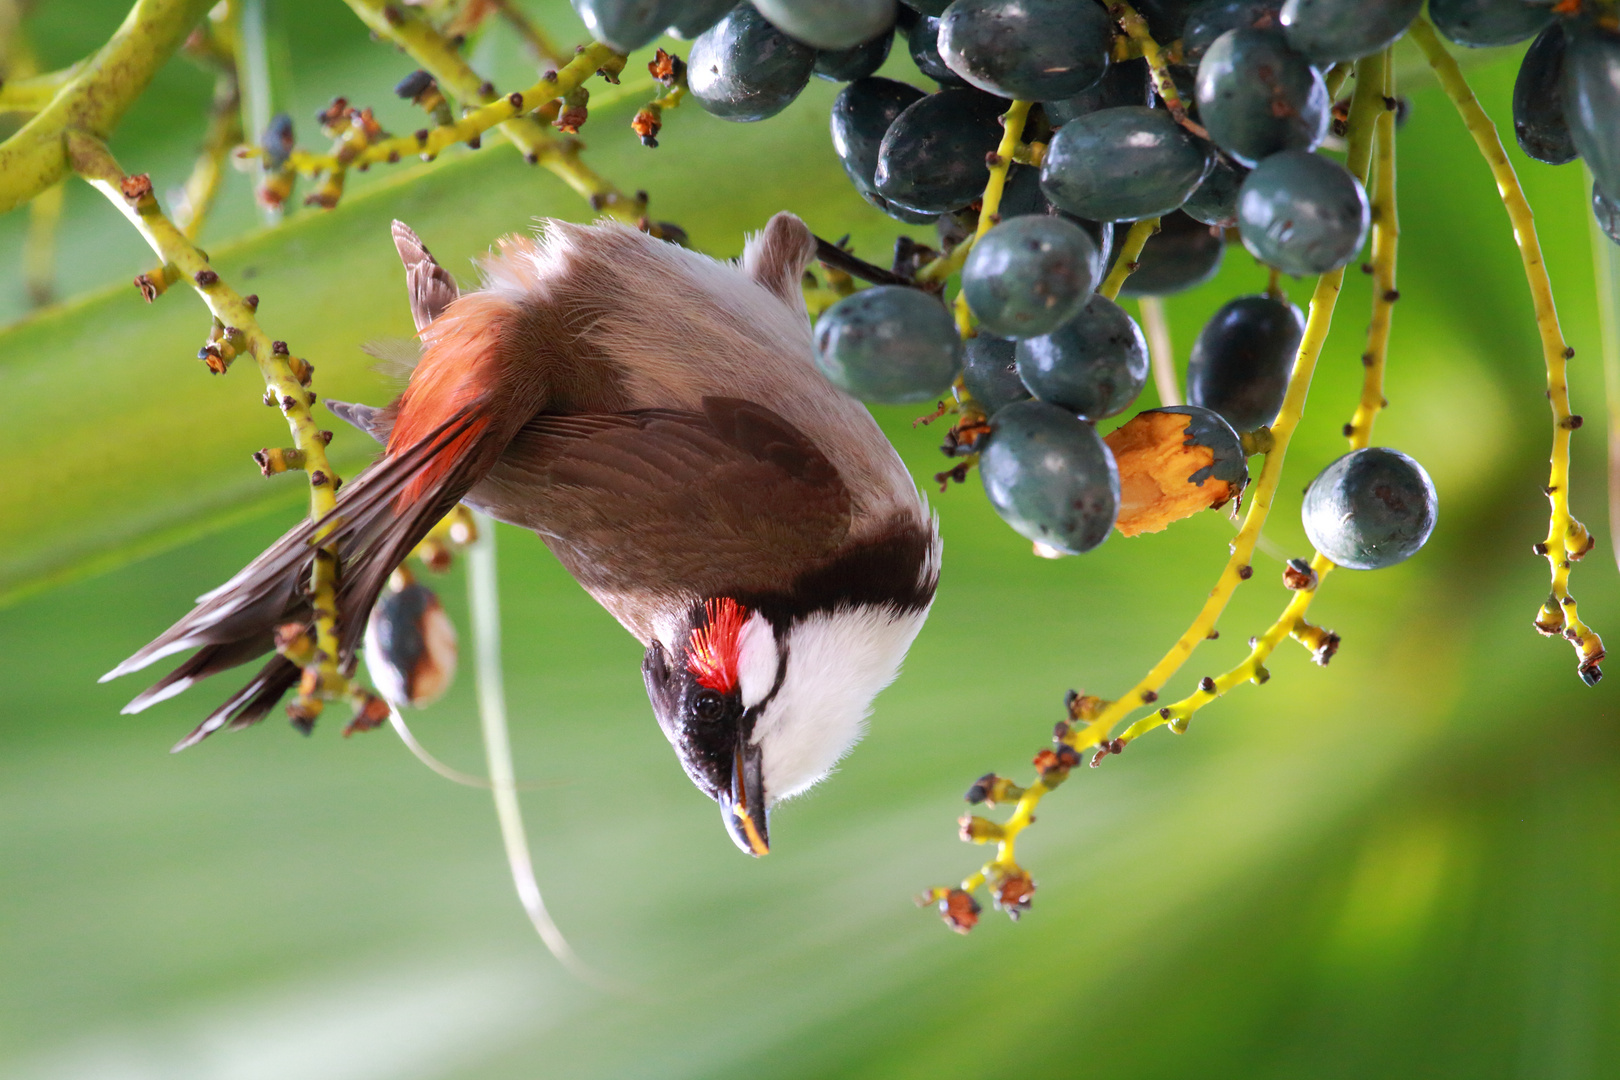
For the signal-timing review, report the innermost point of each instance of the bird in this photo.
(656, 417)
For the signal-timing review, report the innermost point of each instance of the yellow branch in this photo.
(1136, 29)
(429, 143)
(406, 27)
(96, 97)
(990, 202)
(1130, 252)
(1386, 229)
(1364, 109)
(132, 195)
(1567, 539)
(1291, 623)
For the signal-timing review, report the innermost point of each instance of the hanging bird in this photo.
(655, 417)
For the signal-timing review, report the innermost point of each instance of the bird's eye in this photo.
(708, 705)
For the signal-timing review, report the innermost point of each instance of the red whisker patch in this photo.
(713, 654)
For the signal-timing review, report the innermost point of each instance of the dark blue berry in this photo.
(1208, 429)
(1607, 212)
(1330, 31)
(922, 41)
(1184, 253)
(1210, 20)
(1023, 195)
(932, 158)
(626, 25)
(856, 62)
(990, 372)
(1242, 359)
(1050, 477)
(1028, 49)
(1370, 509)
(689, 18)
(899, 212)
(1128, 82)
(1302, 213)
(1483, 23)
(1095, 364)
(1165, 18)
(1538, 100)
(1486, 23)
(1029, 275)
(829, 24)
(889, 344)
(1257, 96)
(1215, 200)
(1123, 164)
(1592, 101)
(861, 115)
(743, 68)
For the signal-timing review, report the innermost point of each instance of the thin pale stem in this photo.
(483, 595)
(1606, 264)
(1160, 352)
(1567, 539)
(39, 247)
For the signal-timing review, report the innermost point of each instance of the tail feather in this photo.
(209, 660)
(373, 532)
(249, 704)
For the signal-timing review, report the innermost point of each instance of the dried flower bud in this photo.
(1174, 462)
(1054, 765)
(276, 142)
(1298, 575)
(959, 910)
(411, 646)
(1011, 891)
(991, 789)
(370, 713)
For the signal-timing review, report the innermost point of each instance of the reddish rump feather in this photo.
(459, 369)
(712, 657)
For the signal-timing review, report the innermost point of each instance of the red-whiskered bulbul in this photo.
(654, 415)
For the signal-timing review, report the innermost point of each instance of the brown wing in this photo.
(680, 504)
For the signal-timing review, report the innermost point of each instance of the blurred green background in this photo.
(1403, 865)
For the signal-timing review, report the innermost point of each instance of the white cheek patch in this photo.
(837, 663)
(756, 660)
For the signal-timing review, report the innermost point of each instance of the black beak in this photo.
(742, 806)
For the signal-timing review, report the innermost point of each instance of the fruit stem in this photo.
(1567, 539)
(1160, 352)
(1012, 130)
(1365, 108)
(1386, 230)
(1136, 28)
(1130, 252)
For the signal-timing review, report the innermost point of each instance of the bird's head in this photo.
(761, 702)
